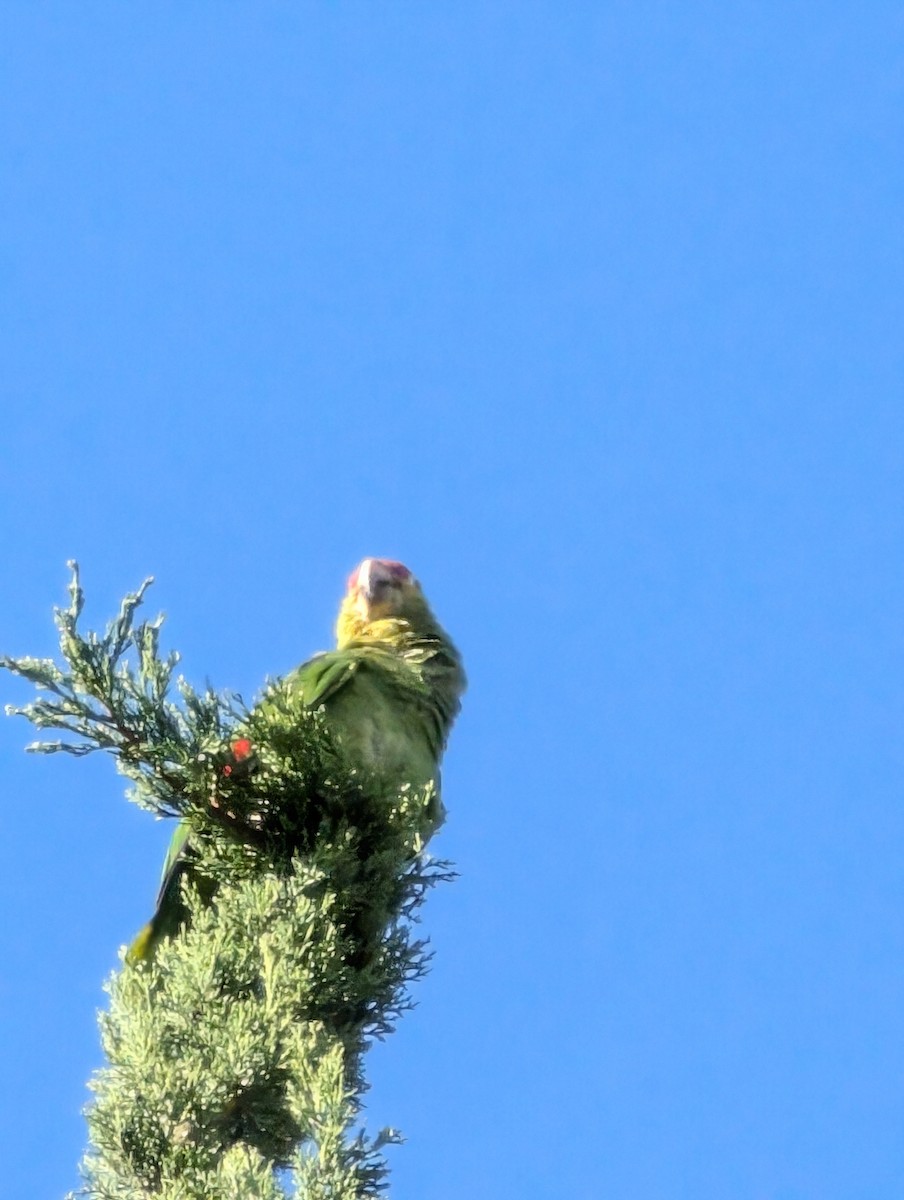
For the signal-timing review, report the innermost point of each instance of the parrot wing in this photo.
(315, 681)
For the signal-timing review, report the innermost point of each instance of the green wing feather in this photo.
(322, 676)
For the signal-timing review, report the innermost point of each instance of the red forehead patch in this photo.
(396, 569)
(387, 566)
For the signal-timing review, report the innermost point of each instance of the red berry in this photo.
(241, 749)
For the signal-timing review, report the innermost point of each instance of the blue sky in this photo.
(592, 314)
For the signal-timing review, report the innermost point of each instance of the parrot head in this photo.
(379, 590)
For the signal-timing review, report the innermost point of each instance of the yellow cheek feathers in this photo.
(361, 620)
(353, 619)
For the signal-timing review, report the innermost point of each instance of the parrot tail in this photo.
(142, 948)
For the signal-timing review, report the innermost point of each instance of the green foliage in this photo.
(235, 1054)
(115, 696)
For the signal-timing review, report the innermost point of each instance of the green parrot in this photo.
(389, 692)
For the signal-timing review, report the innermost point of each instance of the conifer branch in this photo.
(235, 1055)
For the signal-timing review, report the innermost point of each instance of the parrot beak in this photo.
(371, 575)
